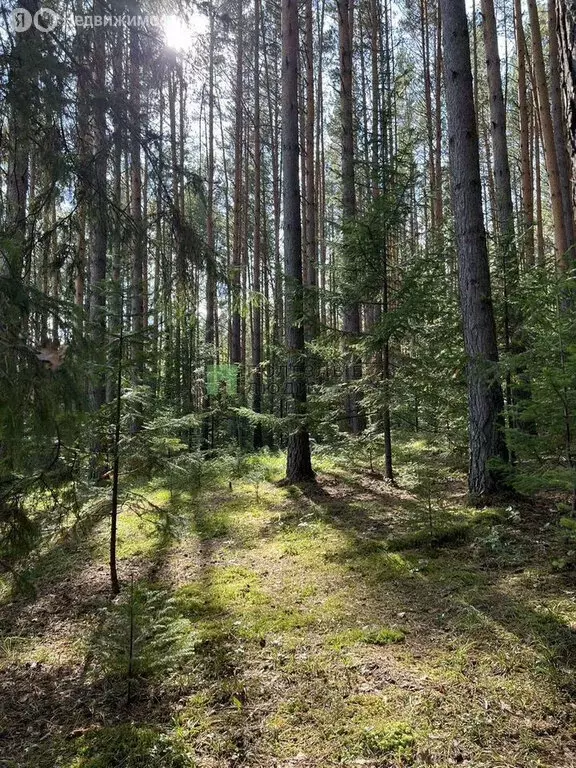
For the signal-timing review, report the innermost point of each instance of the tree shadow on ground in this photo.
(94, 714)
(220, 673)
(451, 599)
(448, 588)
(57, 579)
(50, 698)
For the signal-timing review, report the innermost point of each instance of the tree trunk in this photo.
(138, 245)
(484, 392)
(378, 161)
(425, 41)
(351, 321)
(99, 214)
(566, 12)
(299, 465)
(210, 331)
(83, 149)
(438, 198)
(502, 186)
(560, 135)
(525, 153)
(549, 144)
(235, 341)
(506, 244)
(311, 249)
(257, 312)
(541, 259)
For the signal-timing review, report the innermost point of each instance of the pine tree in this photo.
(485, 401)
(299, 466)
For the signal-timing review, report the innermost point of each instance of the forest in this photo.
(287, 383)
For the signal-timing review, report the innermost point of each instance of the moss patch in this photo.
(129, 746)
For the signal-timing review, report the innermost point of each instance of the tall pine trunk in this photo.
(257, 312)
(507, 253)
(566, 30)
(99, 213)
(351, 324)
(235, 341)
(548, 141)
(138, 243)
(211, 309)
(310, 202)
(485, 399)
(525, 145)
(299, 464)
(559, 129)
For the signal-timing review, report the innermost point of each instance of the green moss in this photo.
(454, 534)
(129, 746)
(239, 516)
(384, 739)
(60, 651)
(208, 523)
(374, 562)
(136, 535)
(274, 621)
(345, 639)
(194, 601)
(235, 583)
(382, 636)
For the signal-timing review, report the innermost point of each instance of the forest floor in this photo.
(348, 623)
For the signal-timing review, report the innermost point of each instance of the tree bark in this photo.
(351, 325)
(566, 12)
(99, 213)
(299, 464)
(257, 312)
(210, 330)
(566, 33)
(485, 399)
(235, 342)
(425, 41)
(525, 153)
(502, 186)
(506, 243)
(138, 245)
(548, 141)
(438, 197)
(310, 202)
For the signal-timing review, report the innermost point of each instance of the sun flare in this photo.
(179, 33)
(176, 34)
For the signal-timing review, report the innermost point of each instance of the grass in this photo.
(319, 627)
